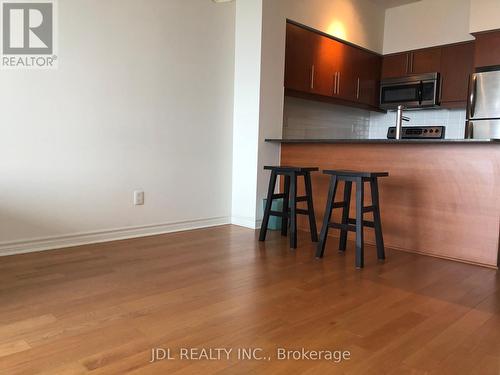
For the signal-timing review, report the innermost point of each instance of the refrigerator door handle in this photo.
(469, 130)
(473, 92)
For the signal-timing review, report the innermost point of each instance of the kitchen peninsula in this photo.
(442, 197)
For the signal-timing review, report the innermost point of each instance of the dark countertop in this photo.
(386, 141)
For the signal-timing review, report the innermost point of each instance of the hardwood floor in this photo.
(101, 308)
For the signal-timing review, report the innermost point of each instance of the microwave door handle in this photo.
(439, 89)
(420, 92)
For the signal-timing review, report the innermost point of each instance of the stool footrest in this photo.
(369, 209)
(299, 211)
(348, 227)
(302, 211)
(282, 195)
(338, 205)
(366, 223)
(352, 225)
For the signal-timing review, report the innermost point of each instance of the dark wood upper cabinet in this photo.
(323, 68)
(487, 51)
(396, 65)
(328, 69)
(298, 59)
(426, 60)
(456, 67)
(369, 80)
(325, 52)
(365, 77)
(358, 75)
(454, 62)
(348, 71)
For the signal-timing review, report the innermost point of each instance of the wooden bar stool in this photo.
(290, 200)
(354, 225)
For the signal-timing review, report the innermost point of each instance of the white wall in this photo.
(246, 111)
(358, 21)
(426, 23)
(143, 98)
(484, 15)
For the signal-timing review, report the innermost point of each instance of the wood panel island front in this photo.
(442, 197)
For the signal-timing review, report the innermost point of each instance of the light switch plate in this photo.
(138, 198)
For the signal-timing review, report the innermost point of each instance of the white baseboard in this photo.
(246, 222)
(77, 239)
(258, 223)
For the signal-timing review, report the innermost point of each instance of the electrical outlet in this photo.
(138, 198)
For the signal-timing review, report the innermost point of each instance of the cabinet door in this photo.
(348, 63)
(325, 53)
(298, 59)
(366, 77)
(368, 91)
(456, 67)
(425, 61)
(395, 65)
(487, 49)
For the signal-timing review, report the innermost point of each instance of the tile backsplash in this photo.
(453, 119)
(310, 119)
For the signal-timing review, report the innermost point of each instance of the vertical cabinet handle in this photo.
(357, 90)
(312, 77)
(338, 84)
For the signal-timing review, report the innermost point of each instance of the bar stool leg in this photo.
(345, 215)
(359, 223)
(293, 211)
(326, 218)
(267, 210)
(377, 219)
(310, 207)
(286, 203)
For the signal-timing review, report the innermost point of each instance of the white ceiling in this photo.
(393, 3)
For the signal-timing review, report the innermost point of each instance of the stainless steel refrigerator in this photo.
(483, 112)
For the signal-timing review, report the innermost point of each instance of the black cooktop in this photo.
(418, 132)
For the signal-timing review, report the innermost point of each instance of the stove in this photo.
(418, 132)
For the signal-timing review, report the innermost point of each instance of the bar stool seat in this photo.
(348, 173)
(285, 169)
(290, 200)
(348, 224)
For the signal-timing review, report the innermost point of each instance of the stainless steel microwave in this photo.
(413, 91)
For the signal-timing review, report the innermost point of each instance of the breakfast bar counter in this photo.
(384, 141)
(442, 197)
